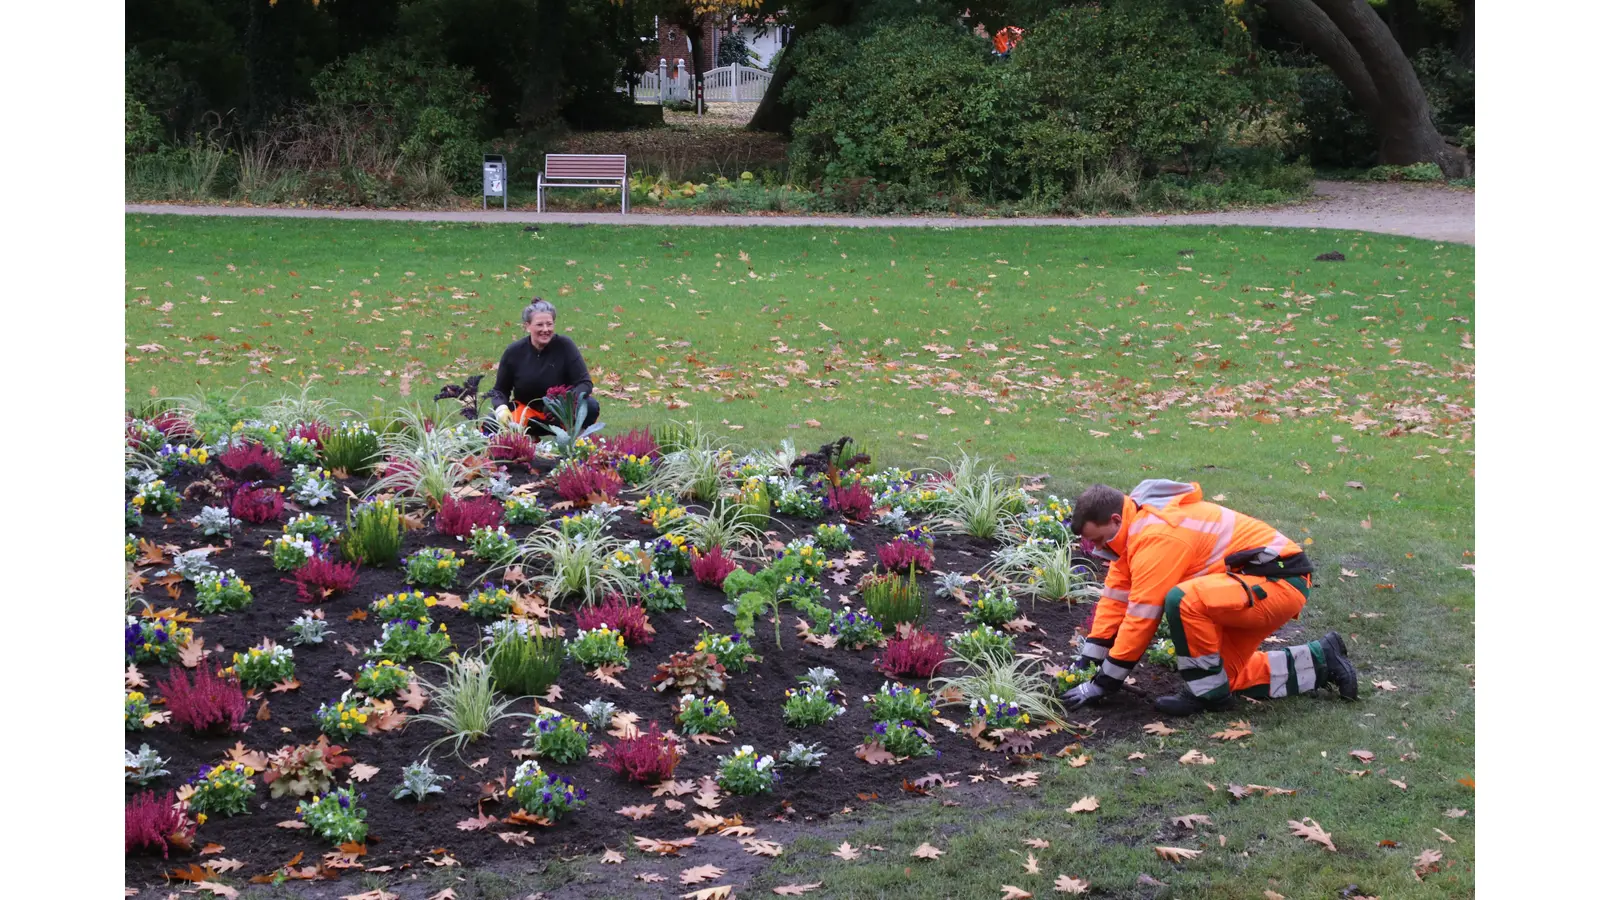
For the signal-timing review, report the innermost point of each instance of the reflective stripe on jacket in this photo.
(1158, 548)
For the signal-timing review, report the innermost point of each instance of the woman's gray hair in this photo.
(538, 306)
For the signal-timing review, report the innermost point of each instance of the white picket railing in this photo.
(736, 84)
(728, 84)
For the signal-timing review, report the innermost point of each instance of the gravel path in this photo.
(1412, 210)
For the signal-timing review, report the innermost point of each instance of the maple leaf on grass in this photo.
(1177, 854)
(1030, 865)
(1362, 755)
(1191, 820)
(1313, 833)
(1195, 758)
(1012, 892)
(927, 851)
(218, 889)
(1426, 863)
(612, 858)
(1232, 734)
(1085, 804)
(845, 851)
(795, 890)
(720, 892)
(1066, 884)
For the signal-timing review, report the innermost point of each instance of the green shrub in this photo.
(1415, 172)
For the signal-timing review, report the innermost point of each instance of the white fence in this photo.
(728, 84)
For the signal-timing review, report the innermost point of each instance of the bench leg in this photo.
(538, 195)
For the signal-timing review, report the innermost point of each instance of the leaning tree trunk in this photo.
(772, 113)
(1350, 38)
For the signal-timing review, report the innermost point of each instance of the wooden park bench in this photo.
(583, 170)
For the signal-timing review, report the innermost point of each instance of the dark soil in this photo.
(404, 833)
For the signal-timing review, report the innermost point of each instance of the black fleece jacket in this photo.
(525, 373)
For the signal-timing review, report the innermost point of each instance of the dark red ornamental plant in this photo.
(257, 504)
(173, 425)
(638, 442)
(899, 555)
(583, 483)
(854, 502)
(511, 446)
(151, 822)
(457, 517)
(206, 705)
(711, 568)
(315, 432)
(321, 578)
(617, 614)
(912, 653)
(251, 460)
(650, 757)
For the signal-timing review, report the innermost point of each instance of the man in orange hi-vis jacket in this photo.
(1224, 581)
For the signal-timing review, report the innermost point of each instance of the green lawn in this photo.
(1088, 354)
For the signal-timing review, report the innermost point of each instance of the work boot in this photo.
(1185, 703)
(1341, 673)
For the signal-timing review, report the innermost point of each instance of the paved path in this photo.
(1421, 211)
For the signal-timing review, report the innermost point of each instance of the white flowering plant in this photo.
(312, 486)
(262, 666)
(746, 772)
(214, 521)
(493, 545)
(216, 592)
(291, 551)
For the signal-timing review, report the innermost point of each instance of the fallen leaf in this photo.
(637, 812)
(414, 697)
(217, 888)
(704, 822)
(1363, 755)
(1085, 804)
(1177, 854)
(211, 849)
(665, 848)
(650, 877)
(1385, 685)
(1030, 866)
(874, 754)
(720, 892)
(516, 837)
(1191, 820)
(1426, 863)
(1398, 783)
(1454, 813)
(1066, 884)
(845, 851)
(737, 831)
(292, 824)
(1232, 734)
(675, 788)
(607, 675)
(1270, 894)
(927, 851)
(223, 865)
(706, 740)
(612, 858)
(699, 874)
(132, 678)
(1038, 843)
(1159, 728)
(1079, 761)
(192, 652)
(1012, 892)
(761, 848)
(795, 890)
(1444, 837)
(1313, 833)
(476, 823)
(1195, 758)
(446, 894)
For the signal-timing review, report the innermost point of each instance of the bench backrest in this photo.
(575, 165)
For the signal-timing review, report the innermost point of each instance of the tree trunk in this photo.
(1466, 38)
(773, 114)
(544, 84)
(1350, 38)
(1404, 24)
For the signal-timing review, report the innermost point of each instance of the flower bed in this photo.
(393, 735)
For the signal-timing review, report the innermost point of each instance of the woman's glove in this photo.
(503, 413)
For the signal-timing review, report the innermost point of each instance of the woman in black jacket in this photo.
(529, 368)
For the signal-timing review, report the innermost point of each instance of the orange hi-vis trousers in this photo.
(1218, 622)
